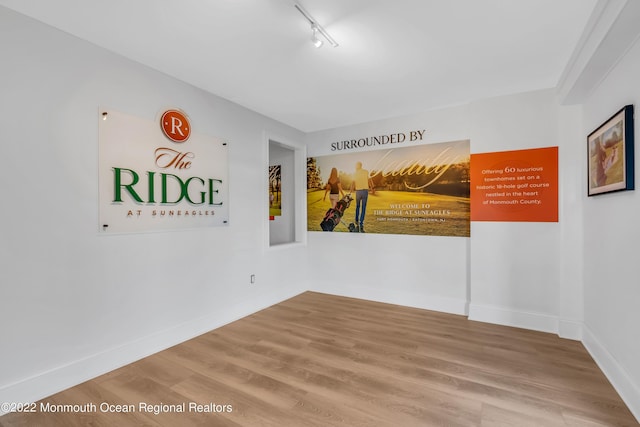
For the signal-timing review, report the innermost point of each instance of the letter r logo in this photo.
(175, 125)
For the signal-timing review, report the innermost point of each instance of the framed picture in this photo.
(610, 153)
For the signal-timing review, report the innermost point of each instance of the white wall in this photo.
(611, 236)
(74, 303)
(571, 250)
(518, 274)
(516, 267)
(421, 271)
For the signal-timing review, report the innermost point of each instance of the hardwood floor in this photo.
(320, 360)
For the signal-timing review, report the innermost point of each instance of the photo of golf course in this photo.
(275, 193)
(416, 190)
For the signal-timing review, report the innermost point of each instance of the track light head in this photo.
(314, 37)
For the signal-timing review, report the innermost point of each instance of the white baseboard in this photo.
(616, 374)
(570, 329)
(518, 319)
(394, 296)
(47, 383)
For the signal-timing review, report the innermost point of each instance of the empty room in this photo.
(319, 213)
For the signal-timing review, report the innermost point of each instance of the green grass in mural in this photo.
(400, 212)
(275, 209)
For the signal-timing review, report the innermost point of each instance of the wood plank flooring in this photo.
(319, 360)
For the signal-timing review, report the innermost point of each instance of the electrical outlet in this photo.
(252, 279)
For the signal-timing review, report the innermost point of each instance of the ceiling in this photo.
(396, 57)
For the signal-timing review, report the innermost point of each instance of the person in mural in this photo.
(334, 188)
(361, 186)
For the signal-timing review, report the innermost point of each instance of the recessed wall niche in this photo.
(288, 191)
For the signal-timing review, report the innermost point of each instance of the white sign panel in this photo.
(160, 175)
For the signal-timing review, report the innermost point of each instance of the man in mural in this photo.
(361, 186)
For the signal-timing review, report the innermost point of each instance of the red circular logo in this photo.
(175, 125)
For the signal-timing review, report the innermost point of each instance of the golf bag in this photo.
(334, 215)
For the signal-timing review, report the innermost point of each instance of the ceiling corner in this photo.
(611, 30)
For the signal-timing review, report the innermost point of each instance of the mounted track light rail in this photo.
(315, 28)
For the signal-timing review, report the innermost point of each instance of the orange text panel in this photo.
(517, 185)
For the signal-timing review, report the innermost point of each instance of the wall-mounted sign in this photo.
(418, 189)
(377, 141)
(517, 185)
(175, 125)
(159, 175)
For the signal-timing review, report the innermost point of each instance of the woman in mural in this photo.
(334, 188)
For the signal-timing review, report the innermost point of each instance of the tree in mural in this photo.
(275, 181)
(313, 174)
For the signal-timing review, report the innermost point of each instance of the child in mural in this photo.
(334, 188)
(361, 186)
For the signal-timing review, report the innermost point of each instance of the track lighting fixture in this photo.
(315, 28)
(314, 37)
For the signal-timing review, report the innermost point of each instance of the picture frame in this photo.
(610, 154)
